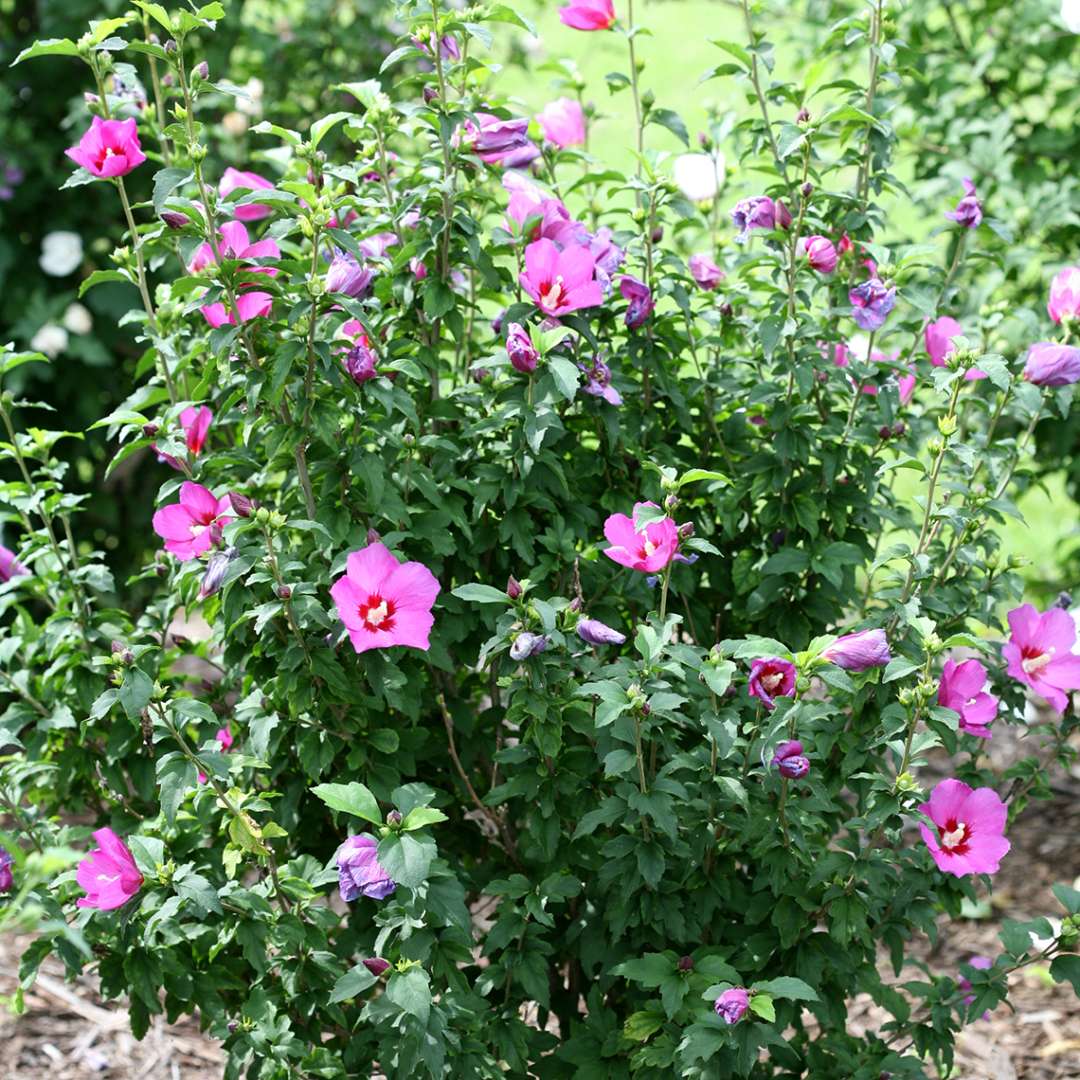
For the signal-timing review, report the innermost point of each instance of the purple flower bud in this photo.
(241, 504)
(783, 215)
(871, 303)
(393, 817)
(726, 310)
(732, 1004)
(7, 878)
(497, 322)
(686, 963)
(376, 965)
(705, 272)
(595, 632)
(373, 536)
(575, 605)
(202, 70)
(686, 530)
(527, 644)
(174, 220)
(789, 760)
(757, 212)
(150, 430)
(859, 651)
(520, 349)
(1049, 364)
(90, 99)
(657, 234)
(359, 872)
(1064, 601)
(968, 212)
(513, 587)
(803, 116)
(167, 79)
(284, 592)
(232, 1027)
(820, 253)
(216, 568)
(430, 94)
(771, 677)
(170, 46)
(640, 300)
(899, 428)
(345, 275)
(360, 361)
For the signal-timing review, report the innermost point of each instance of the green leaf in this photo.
(176, 777)
(565, 375)
(640, 1025)
(420, 816)
(199, 891)
(673, 122)
(787, 987)
(156, 12)
(98, 277)
(135, 692)
(410, 991)
(325, 124)
(352, 984)
(650, 970)
(1068, 898)
(762, 1005)
(166, 181)
(352, 798)
(407, 858)
(475, 593)
(693, 475)
(48, 47)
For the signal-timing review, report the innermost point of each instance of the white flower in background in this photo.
(61, 252)
(250, 101)
(700, 176)
(1070, 15)
(235, 122)
(51, 340)
(77, 319)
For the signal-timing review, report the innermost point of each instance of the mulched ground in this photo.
(67, 1033)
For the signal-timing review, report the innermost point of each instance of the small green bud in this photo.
(906, 782)
(262, 515)
(947, 425)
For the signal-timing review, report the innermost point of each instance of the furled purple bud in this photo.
(513, 587)
(807, 190)
(898, 429)
(284, 592)
(202, 70)
(859, 651)
(519, 348)
(686, 530)
(595, 632)
(496, 323)
(376, 965)
(657, 234)
(373, 536)
(884, 432)
(345, 275)
(803, 116)
(170, 46)
(233, 1027)
(90, 99)
(639, 301)
(241, 504)
(1064, 601)
(174, 220)
(150, 430)
(789, 760)
(7, 878)
(431, 93)
(726, 310)
(686, 963)
(527, 644)
(968, 212)
(217, 567)
(393, 817)
(732, 1004)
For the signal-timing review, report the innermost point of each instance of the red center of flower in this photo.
(554, 294)
(1033, 659)
(954, 837)
(772, 680)
(377, 613)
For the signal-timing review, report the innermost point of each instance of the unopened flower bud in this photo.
(173, 219)
(233, 1026)
(1064, 600)
(150, 430)
(376, 965)
(241, 504)
(947, 425)
(262, 515)
(899, 428)
(167, 79)
(686, 963)
(576, 605)
(202, 70)
(430, 94)
(803, 116)
(884, 432)
(90, 99)
(807, 190)
(216, 569)
(393, 817)
(373, 536)
(671, 502)
(513, 587)
(657, 234)
(686, 530)
(726, 310)
(170, 46)
(527, 644)
(284, 592)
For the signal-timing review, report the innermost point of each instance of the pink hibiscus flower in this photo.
(1040, 654)
(108, 148)
(970, 836)
(236, 244)
(196, 424)
(560, 281)
(962, 691)
(588, 14)
(383, 602)
(193, 525)
(108, 874)
(238, 178)
(650, 550)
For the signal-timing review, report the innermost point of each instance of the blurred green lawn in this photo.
(677, 51)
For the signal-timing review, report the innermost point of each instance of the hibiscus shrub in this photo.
(576, 622)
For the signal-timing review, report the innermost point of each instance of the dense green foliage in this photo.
(590, 842)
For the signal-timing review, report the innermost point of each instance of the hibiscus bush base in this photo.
(544, 671)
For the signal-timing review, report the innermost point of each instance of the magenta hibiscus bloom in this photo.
(236, 244)
(9, 566)
(193, 525)
(588, 14)
(237, 178)
(519, 348)
(196, 424)
(347, 275)
(979, 963)
(650, 550)
(970, 824)
(383, 602)
(598, 381)
(732, 1004)
(789, 760)
(108, 148)
(1040, 654)
(871, 303)
(962, 691)
(359, 871)
(560, 281)
(1050, 364)
(1064, 302)
(108, 874)
(859, 651)
(758, 212)
(563, 122)
(496, 141)
(639, 300)
(705, 272)
(771, 677)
